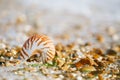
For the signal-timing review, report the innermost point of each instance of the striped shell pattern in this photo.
(39, 45)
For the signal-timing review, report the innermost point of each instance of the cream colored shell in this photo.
(38, 45)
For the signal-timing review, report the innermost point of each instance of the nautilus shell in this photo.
(40, 46)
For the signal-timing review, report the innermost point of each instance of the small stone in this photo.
(61, 76)
(13, 51)
(2, 46)
(98, 51)
(9, 54)
(115, 37)
(59, 47)
(100, 77)
(65, 67)
(21, 19)
(7, 63)
(111, 52)
(60, 61)
(111, 30)
(100, 38)
(116, 48)
(2, 59)
(20, 73)
(79, 78)
(88, 69)
(2, 51)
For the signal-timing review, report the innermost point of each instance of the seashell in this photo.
(40, 46)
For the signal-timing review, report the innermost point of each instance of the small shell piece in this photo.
(40, 46)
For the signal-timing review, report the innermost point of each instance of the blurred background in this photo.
(64, 21)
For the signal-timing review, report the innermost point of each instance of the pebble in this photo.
(111, 52)
(111, 30)
(115, 37)
(21, 19)
(79, 78)
(88, 69)
(2, 45)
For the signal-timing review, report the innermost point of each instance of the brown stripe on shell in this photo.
(25, 52)
(36, 39)
(21, 54)
(50, 53)
(31, 40)
(39, 43)
(47, 42)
